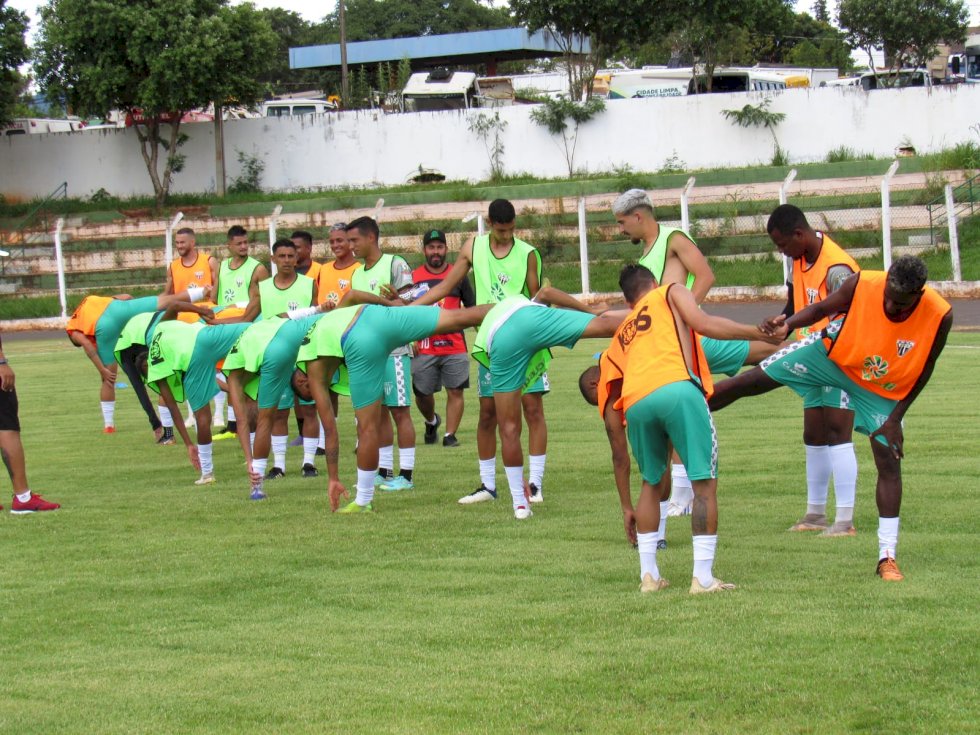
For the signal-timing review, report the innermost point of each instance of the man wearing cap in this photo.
(441, 360)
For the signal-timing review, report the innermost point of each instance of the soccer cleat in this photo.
(380, 480)
(309, 471)
(168, 437)
(537, 495)
(205, 480)
(843, 528)
(661, 544)
(888, 570)
(480, 495)
(257, 495)
(224, 434)
(675, 510)
(275, 474)
(522, 512)
(450, 440)
(810, 522)
(353, 507)
(716, 586)
(109, 430)
(397, 483)
(432, 430)
(34, 504)
(321, 452)
(649, 584)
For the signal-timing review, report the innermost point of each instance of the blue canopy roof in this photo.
(497, 45)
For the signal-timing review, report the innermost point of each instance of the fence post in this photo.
(783, 198)
(954, 238)
(479, 221)
(886, 215)
(583, 246)
(685, 214)
(60, 259)
(169, 238)
(272, 235)
(378, 205)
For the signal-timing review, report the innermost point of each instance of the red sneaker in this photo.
(34, 504)
(109, 430)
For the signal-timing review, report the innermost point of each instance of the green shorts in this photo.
(210, 347)
(526, 332)
(804, 365)
(278, 364)
(826, 397)
(485, 383)
(398, 381)
(112, 322)
(725, 356)
(676, 413)
(368, 342)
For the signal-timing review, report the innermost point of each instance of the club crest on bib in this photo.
(904, 347)
(239, 282)
(156, 352)
(293, 305)
(343, 283)
(812, 295)
(198, 275)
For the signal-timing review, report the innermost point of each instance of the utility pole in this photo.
(344, 82)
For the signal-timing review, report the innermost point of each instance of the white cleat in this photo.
(522, 512)
(675, 510)
(716, 586)
(205, 480)
(537, 494)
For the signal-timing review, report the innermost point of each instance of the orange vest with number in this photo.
(85, 317)
(334, 283)
(654, 350)
(810, 281)
(197, 274)
(883, 356)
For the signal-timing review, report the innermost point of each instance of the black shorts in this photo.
(8, 411)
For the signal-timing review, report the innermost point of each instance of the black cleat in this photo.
(275, 474)
(432, 431)
(309, 471)
(450, 440)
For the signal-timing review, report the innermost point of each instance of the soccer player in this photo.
(672, 256)
(820, 266)
(191, 267)
(441, 359)
(96, 324)
(513, 344)
(503, 265)
(284, 292)
(656, 378)
(363, 337)
(131, 343)
(882, 353)
(388, 274)
(336, 276)
(305, 265)
(11, 448)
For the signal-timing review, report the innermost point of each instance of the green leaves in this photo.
(13, 53)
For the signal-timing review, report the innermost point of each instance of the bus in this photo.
(664, 82)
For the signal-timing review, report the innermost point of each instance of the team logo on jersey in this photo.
(812, 295)
(503, 279)
(156, 352)
(293, 305)
(230, 295)
(343, 283)
(628, 333)
(904, 347)
(239, 282)
(874, 368)
(797, 368)
(198, 275)
(333, 298)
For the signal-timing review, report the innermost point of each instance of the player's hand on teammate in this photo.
(336, 491)
(629, 525)
(192, 455)
(891, 430)
(6, 378)
(774, 329)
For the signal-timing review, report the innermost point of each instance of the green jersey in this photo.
(496, 278)
(655, 259)
(137, 330)
(277, 300)
(170, 354)
(233, 283)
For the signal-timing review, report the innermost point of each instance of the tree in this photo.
(370, 20)
(13, 53)
(820, 11)
(606, 23)
(560, 115)
(155, 62)
(290, 30)
(760, 116)
(909, 30)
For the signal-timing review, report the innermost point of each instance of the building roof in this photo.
(451, 48)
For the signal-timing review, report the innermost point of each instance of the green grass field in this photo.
(146, 605)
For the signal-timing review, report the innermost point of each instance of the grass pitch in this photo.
(148, 605)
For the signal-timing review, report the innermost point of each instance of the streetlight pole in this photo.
(344, 82)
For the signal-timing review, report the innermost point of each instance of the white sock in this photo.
(681, 490)
(258, 466)
(515, 479)
(704, 558)
(406, 458)
(887, 537)
(386, 458)
(204, 454)
(365, 486)
(166, 419)
(647, 545)
(535, 469)
(321, 443)
(817, 478)
(108, 413)
(431, 423)
(251, 440)
(309, 450)
(844, 463)
(220, 399)
(662, 529)
(488, 473)
(279, 444)
(231, 412)
(24, 496)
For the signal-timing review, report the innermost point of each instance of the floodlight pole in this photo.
(60, 259)
(783, 198)
(344, 80)
(954, 238)
(685, 214)
(886, 215)
(583, 246)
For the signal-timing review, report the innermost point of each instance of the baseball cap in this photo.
(431, 235)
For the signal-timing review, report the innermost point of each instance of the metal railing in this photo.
(34, 230)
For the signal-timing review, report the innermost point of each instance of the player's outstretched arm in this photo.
(168, 398)
(355, 297)
(619, 446)
(236, 394)
(91, 352)
(836, 303)
(320, 372)
(552, 296)
(712, 326)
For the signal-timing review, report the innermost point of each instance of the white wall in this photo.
(364, 148)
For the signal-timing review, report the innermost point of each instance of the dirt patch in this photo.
(149, 213)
